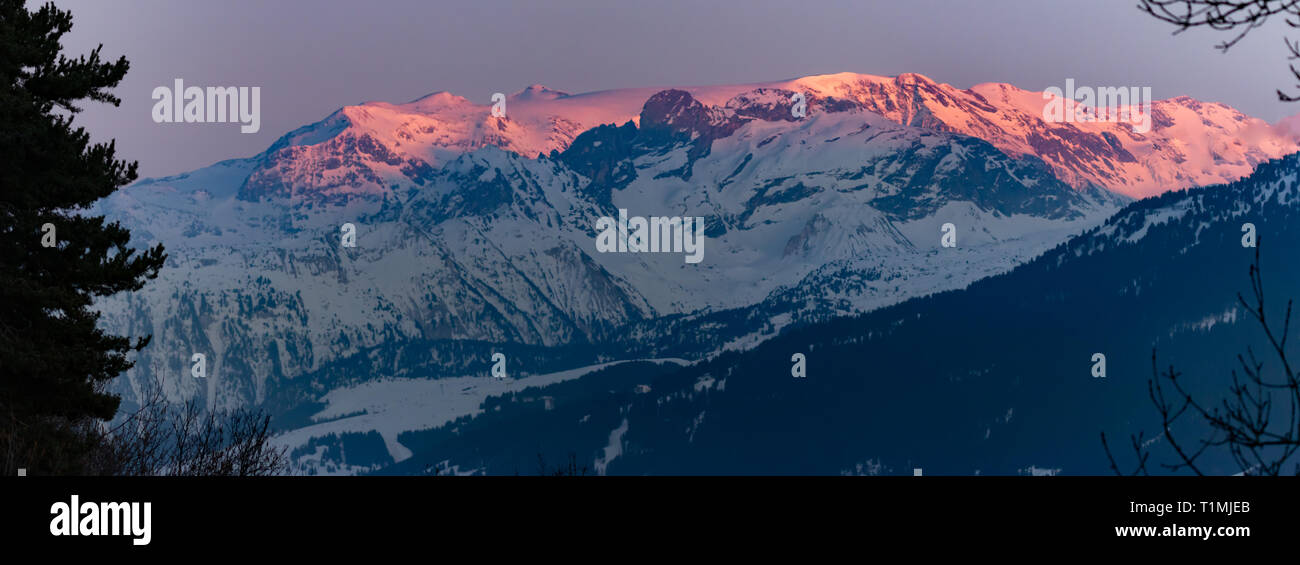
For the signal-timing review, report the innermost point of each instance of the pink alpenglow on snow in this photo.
(364, 149)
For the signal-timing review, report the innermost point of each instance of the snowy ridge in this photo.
(366, 149)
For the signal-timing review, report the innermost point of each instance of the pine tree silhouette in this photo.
(54, 260)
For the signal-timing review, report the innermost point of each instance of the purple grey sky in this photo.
(311, 57)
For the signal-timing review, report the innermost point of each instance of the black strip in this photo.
(308, 515)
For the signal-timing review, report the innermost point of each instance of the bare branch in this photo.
(1238, 16)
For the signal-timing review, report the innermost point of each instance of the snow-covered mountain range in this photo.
(365, 148)
(477, 229)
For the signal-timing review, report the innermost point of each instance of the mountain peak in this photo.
(680, 114)
(672, 107)
(914, 77)
(539, 92)
(439, 99)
